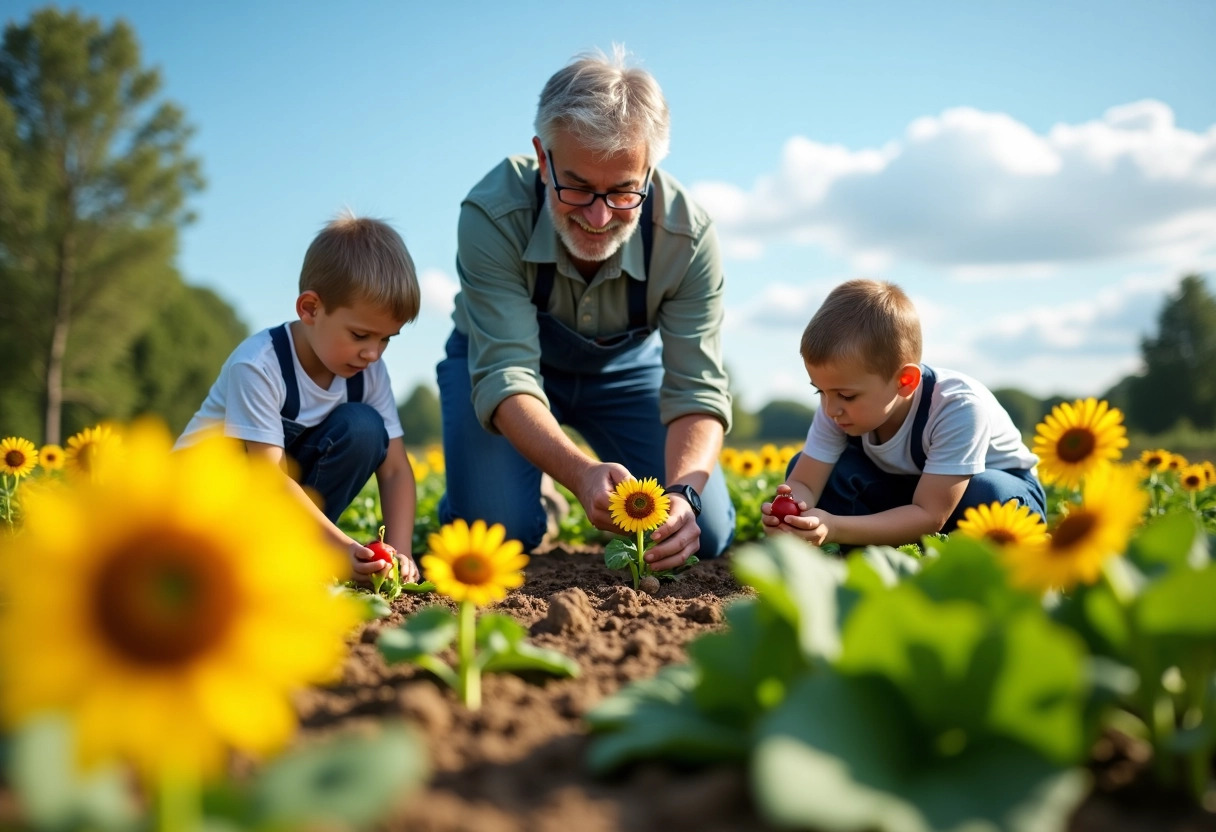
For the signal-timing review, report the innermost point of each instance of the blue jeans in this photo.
(615, 411)
(338, 456)
(857, 487)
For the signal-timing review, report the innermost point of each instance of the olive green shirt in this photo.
(497, 255)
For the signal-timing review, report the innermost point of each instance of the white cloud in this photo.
(439, 290)
(970, 190)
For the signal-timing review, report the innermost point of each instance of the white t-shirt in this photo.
(967, 432)
(250, 392)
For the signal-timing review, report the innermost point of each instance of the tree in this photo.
(782, 421)
(1179, 379)
(421, 418)
(177, 358)
(94, 176)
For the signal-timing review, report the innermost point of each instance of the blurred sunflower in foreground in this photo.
(150, 610)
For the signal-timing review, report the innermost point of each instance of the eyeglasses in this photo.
(617, 200)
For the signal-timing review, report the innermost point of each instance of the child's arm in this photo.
(398, 504)
(934, 501)
(361, 558)
(804, 486)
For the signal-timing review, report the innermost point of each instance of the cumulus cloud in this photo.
(971, 190)
(439, 290)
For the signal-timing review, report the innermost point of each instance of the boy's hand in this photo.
(364, 563)
(410, 574)
(812, 527)
(770, 521)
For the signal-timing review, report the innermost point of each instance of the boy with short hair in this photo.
(312, 396)
(897, 449)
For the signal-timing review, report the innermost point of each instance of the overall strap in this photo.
(282, 350)
(636, 288)
(927, 380)
(354, 387)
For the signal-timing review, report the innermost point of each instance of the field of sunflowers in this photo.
(167, 620)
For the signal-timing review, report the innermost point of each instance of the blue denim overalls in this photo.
(337, 457)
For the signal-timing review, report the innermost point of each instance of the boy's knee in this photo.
(357, 424)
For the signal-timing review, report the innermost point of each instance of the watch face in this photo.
(694, 499)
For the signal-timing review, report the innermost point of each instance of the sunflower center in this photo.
(163, 606)
(472, 570)
(639, 506)
(1076, 444)
(14, 458)
(1001, 537)
(1072, 529)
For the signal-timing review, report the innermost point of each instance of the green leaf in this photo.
(1167, 542)
(1183, 604)
(746, 668)
(841, 755)
(619, 553)
(889, 565)
(422, 586)
(800, 583)
(966, 569)
(663, 730)
(350, 781)
(42, 772)
(504, 647)
(426, 632)
(672, 685)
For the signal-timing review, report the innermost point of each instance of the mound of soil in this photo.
(518, 763)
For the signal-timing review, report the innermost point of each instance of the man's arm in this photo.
(528, 425)
(693, 445)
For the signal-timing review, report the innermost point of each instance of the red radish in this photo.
(382, 551)
(783, 506)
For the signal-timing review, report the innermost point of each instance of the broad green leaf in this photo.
(800, 583)
(1182, 603)
(1168, 542)
(426, 632)
(661, 730)
(422, 586)
(840, 755)
(746, 668)
(498, 627)
(346, 782)
(41, 769)
(672, 685)
(374, 605)
(889, 565)
(503, 646)
(968, 570)
(619, 553)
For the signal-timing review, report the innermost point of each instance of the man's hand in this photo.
(677, 539)
(596, 486)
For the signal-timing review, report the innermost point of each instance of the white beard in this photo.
(603, 247)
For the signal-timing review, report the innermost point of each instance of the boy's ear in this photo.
(909, 378)
(308, 304)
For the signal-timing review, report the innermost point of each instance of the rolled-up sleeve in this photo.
(498, 315)
(690, 324)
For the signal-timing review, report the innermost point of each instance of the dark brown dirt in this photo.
(518, 763)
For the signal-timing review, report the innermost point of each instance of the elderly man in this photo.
(590, 295)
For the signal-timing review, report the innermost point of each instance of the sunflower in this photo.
(17, 456)
(434, 458)
(1193, 478)
(1155, 459)
(474, 564)
(1011, 524)
(1111, 506)
(770, 456)
(1209, 471)
(1176, 462)
(639, 506)
(749, 464)
(51, 457)
(166, 634)
(728, 458)
(1077, 439)
(89, 449)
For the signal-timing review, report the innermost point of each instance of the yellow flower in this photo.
(728, 458)
(51, 457)
(434, 458)
(1077, 439)
(421, 471)
(89, 450)
(474, 564)
(1193, 478)
(173, 609)
(788, 452)
(1010, 524)
(1111, 506)
(1209, 471)
(17, 456)
(770, 457)
(749, 464)
(1155, 459)
(639, 505)
(1176, 462)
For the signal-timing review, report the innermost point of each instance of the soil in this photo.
(518, 763)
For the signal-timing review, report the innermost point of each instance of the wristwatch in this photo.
(688, 493)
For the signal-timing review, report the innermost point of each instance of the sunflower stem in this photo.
(643, 569)
(470, 673)
(178, 805)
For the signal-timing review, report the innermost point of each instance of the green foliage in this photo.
(1024, 409)
(421, 418)
(94, 176)
(782, 420)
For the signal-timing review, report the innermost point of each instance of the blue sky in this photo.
(1036, 175)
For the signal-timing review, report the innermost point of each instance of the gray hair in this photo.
(607, 105)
